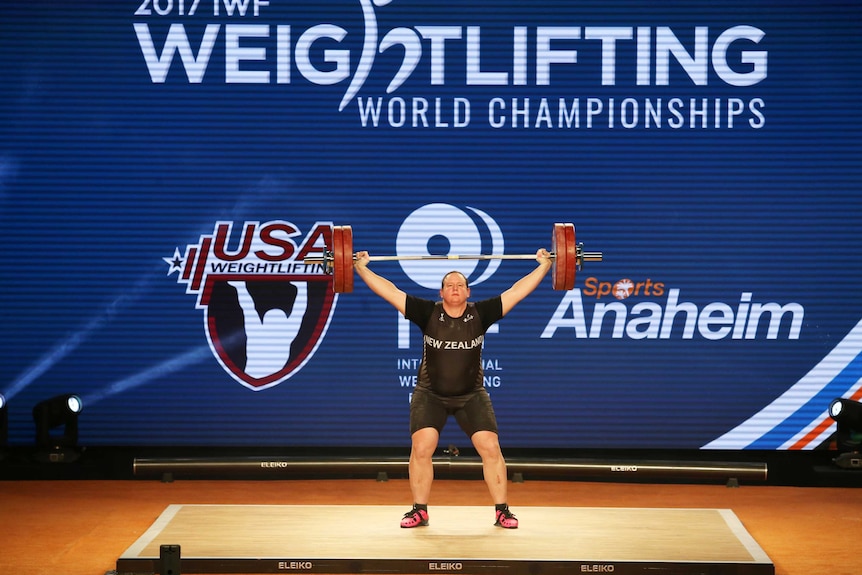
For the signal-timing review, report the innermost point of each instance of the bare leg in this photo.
(421, 467)
(493, 464)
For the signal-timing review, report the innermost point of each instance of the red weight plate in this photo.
(558, 246)
(347, 251)
(337, 260)
(571, 257)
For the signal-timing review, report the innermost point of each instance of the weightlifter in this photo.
(450, 379)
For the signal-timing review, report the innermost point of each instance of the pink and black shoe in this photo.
(506, 519)
(416, 517)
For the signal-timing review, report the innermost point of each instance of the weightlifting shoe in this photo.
(506, 519)
(416, 517)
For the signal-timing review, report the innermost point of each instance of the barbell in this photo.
(568, 257)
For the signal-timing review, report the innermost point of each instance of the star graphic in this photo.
(176, 262)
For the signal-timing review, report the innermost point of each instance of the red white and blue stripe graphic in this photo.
(799, 418)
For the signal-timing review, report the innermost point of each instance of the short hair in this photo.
(447, 274)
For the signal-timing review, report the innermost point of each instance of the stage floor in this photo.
(368, 539)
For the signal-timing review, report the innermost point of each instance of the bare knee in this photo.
(487, 445)
(424, 443)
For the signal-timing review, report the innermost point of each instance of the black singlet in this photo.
(452, 346)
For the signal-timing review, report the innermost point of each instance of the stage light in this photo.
(59, 411)
(4, 422)
(847, 412)
(848, 439)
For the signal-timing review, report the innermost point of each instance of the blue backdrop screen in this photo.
(166, 166)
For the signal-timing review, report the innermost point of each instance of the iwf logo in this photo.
(265, 311)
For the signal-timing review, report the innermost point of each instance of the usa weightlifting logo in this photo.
(265, 310)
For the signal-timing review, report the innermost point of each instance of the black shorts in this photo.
(472, 411)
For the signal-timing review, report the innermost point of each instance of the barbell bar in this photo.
(568, 257)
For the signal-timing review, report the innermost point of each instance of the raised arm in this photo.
(379, 284)
(524, 286)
